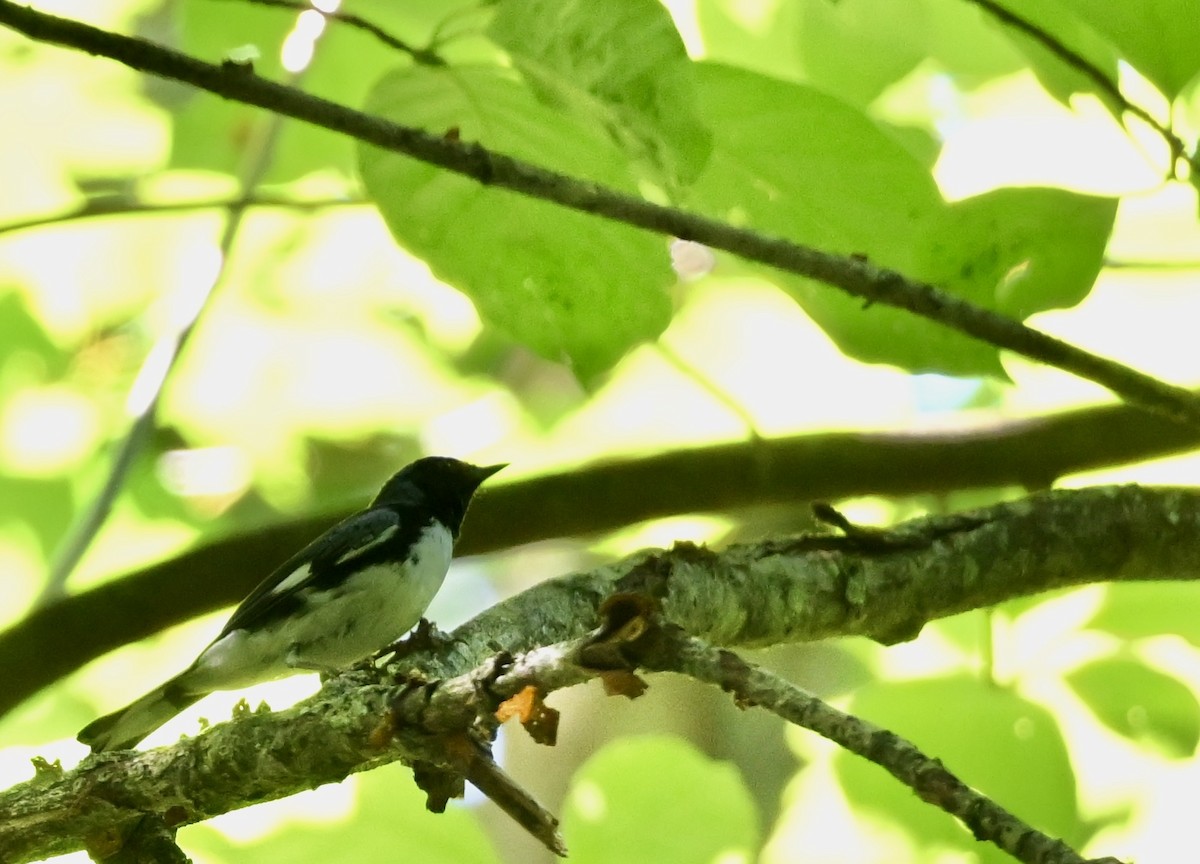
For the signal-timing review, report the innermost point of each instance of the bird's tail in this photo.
(122, 729)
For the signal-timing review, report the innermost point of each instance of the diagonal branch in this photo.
(419, 55)
(1099, 80)
(927, 777)
(117, 803)
(884, 585)
(852, 274)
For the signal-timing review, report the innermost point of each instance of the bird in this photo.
(351, 592)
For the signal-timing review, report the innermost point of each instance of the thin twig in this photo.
(1094, 74)
(1133, 264)
(926, 776)
(123, 205)
(708, 385)
(148, 385)
(420, 55)
(499, 788)
(852, 274)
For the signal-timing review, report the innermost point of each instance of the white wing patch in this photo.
(382, 537)
(374, 607)
(296, 577)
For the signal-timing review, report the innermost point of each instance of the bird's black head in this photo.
(439, 483)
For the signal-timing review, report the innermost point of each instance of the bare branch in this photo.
(360, 720)
(885, 587)
(852, 274)
(258, 758)
(926, 776)
(420, 55)
(517, 803)
(122, 205)
(1101, 81)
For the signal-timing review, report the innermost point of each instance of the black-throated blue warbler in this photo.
(354, 590)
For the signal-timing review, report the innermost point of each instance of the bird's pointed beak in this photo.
(486, 471)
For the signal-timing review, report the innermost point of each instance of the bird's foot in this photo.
(423, 637)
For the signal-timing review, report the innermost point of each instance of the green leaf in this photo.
(792, 161)
(620, 64)
(886, 39)
(963, 39)
(1141, 703)
(991, 739)
(1061, 78)
(812, 40)
(387, 820)
(572, 288)
(209, 132)
(758, 36)
(213, 133)
(24, 342)
(1160, 38)
(1017, 251)
(889, 40)
(655, 800)
(1147, 609)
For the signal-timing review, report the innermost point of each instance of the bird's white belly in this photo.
(369, 611)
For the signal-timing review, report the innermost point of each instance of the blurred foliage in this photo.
(627, 71)
(1140, 703)
(443, 316)
(989, 734)
(573, 290)
(376, 815)
(637, 800)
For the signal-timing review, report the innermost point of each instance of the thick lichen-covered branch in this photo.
(879, 583)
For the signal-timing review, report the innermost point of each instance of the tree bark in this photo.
(884, 584)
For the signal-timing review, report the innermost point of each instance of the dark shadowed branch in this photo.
(717, 478)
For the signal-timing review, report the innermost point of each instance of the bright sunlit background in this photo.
(327, 356)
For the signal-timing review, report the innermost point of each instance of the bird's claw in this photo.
(425, 636)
